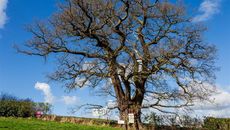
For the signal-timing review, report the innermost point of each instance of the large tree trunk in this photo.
(125, 110)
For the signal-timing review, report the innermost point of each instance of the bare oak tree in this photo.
(151, 52)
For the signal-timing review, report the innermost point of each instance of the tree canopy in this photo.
(150, 52)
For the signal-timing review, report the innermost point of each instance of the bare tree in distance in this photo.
(151, 52)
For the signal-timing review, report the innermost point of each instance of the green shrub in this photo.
(16, 108)
(11, 106)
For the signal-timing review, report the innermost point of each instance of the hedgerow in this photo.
(11, 106)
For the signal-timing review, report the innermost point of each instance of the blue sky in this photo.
(19, 73)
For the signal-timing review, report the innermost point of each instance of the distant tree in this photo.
(46, 108)
(150, 50)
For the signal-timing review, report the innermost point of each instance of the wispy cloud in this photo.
(3, 17)
(207, 9)
(220, 106)
(45, 88)
(217, 106)
(69, 100)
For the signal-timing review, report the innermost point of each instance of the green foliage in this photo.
(212, 123)
(34, 124)
(11, 106)
(16, 108)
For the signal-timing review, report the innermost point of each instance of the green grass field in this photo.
(34, 124)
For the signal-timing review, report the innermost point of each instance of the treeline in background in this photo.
(12, 106)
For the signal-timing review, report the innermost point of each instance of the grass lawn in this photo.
(34, 124)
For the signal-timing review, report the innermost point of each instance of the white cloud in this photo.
(220, 106)
(207, 8)
(69, 100)
(3, 17)
(45, 88)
